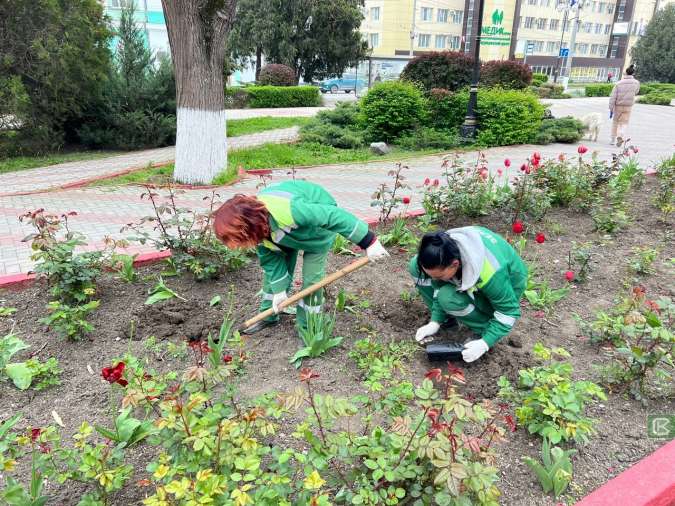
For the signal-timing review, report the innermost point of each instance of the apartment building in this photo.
(149, 16)
(535, 31)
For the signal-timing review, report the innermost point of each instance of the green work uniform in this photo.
(303, 217)
(487, 297)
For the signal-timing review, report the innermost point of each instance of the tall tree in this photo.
(198, 32)
(252, 28)
(654, 53)
(316, 38)
(54, 61)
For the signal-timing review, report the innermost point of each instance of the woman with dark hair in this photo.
(281, 221)
(620, 104)
(474, 276)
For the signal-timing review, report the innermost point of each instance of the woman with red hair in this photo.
(281, 221)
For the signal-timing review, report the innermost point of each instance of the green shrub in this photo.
(450, 70)
(391, 108)
(131, 130)
(506, 116)
(645, 89)
(599, 90)
(331, 135)
(538, 79)
(549, 90)
(442, 109)
(283, 96)
(505, 73)
(656, 98)
(236, 97)
(276, 74)
(663, 88)
(428, 138)
(343, 114)
(567, 130)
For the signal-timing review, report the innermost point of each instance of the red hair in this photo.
(241, 222)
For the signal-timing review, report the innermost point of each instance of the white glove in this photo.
(376, 251)
(475, 349)
(425, 332)
(278, 299)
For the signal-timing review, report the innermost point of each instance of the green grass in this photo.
(268, 156)
(236, 127)
(17, 163)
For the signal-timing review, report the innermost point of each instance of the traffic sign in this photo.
(564, 52)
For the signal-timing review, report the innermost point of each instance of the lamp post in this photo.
(470, 126)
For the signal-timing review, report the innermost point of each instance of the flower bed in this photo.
(377, 314)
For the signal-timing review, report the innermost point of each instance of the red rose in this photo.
(635, 149)
(517, 227)
(436, 182)
(569, 276)
(427, 182)
(507, 163)
(527, 170)
(523, 167)
(540, 238)
(582, 149)
(35, 433)
(500, 172)
(227, 359)
(406, 200)
(114, 374)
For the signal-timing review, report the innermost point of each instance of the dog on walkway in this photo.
(592, 124)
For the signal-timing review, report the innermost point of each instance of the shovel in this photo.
(357, 264)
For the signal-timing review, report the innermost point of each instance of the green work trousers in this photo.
(313, 271)
(452, 300)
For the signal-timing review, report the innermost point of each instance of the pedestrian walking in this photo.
(620, 104)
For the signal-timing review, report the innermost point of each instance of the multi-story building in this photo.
(149, 16)
(536, 31)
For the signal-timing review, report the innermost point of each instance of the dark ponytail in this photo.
(437, 249)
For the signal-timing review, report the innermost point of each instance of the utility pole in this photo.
(412, 28)
(469, 128)
(556, 73)
(573, 38)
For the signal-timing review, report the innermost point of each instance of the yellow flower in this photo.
(89, 291)
(8, 465)
(161, 472)
(314, 481)
(204, 474)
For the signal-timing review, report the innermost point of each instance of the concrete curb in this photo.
(650, 482)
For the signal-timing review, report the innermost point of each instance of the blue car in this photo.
(345, 83)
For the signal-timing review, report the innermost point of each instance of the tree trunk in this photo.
(258, 61)
(197, 41)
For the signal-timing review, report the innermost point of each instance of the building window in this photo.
(594, 49)
(621, 10)
(598, 28)
(581, 49)
(440, 41)
(601, 7)
(532, 2)
(374, 39)
(457, 17)
(529, 22)
(550, 47)
(427, 13)
(541, 23)
(608, 28)
(615, 48)
(588, 27)
(538, 46)
(602, 50)
(424, 40)
(554, 24)
(594, 6)
(454, 42)
(610, 8)
(442, 15)
(374, 13)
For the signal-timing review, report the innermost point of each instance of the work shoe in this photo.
(257, 327)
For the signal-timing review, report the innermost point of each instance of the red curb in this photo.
(16, 280)
(151, 258)
(650, 482)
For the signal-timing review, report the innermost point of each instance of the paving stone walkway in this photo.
(103, 211)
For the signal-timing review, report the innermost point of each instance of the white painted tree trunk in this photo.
(201, 145)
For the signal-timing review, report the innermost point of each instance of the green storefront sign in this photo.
(495, 34)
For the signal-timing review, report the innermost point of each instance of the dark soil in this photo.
(123, 323)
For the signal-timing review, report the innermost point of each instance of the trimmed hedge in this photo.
(450, 70)
(599, 90)
(505, 73)
(336, 127)
(647, 88)
(283, 96)
(391, 108)
(441, 107)
(506, 116)
(656, 98)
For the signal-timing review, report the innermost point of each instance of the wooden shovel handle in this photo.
(357, 264)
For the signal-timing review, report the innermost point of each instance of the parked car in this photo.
(344, 83)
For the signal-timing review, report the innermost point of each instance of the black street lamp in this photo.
(470, 126)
